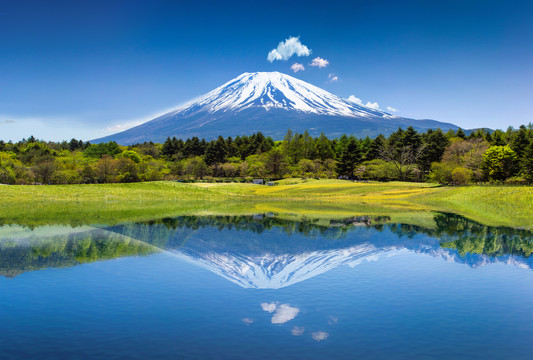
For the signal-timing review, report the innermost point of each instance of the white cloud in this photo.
(320, 335)
(269, 307)
(391, 109)
(282, 313)
(355, 100)
(372, 105)
(286, 49)
(297, 67)
(333, 78)
(247, 321)
(297, 331)
(124, 126)
(319, 62)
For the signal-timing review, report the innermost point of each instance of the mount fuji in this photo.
(270, 102)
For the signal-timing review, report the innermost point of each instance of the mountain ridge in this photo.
(269, 102)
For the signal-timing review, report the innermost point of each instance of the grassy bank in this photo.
(403, 202)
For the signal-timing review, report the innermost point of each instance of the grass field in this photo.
(412, 203)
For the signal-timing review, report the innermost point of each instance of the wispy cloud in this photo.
(247, 321)
(286, 49)
(372, 105)
(121, 125)
(297, 331)
(319, 62)
(333, 78)
(297, 67)
(391, 109)
(8, 121)
(356, 100)
(320, 335)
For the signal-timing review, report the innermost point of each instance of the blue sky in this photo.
(86, 69)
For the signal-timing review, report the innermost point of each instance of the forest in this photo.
(451, 158)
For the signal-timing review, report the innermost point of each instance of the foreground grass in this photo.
(412, 203)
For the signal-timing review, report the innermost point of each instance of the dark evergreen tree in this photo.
(520, 141)
(193, 147)
(375, 147)
(350, 158)
(323, 149)
(411, 138)
(498, 138)
(435, 143)
(169, 147)
(215, 152)
(527, 162)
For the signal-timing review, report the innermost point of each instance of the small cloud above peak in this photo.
(354, 99)
(333, 78)
(372, 105)
(286, 49)
(391, 109)
(319, 62)
(297, 67)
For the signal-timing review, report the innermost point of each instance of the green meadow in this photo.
(405, 202)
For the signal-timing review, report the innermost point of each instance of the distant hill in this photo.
(270, 102)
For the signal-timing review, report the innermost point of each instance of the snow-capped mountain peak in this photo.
(272, 103)
(276, 90)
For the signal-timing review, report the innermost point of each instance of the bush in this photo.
(516, 180)
(461, 176)
(441, 173)
(379, 170)
(7, 176)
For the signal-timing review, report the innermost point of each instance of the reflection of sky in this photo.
(282, 312)
(160, 306)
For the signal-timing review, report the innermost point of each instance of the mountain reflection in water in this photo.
(265, 251)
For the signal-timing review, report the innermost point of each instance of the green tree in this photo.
(215, 152)
(527, 163)
(435, 143)
(98, 150)
(350, 158)
(519, 142)
(132, 155)
(275, 162)
(323, 148)
(500, 162)
(375, 147)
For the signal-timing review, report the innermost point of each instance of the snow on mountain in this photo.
(276, 90)
(271, 271)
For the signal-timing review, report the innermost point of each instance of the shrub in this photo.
(516, 180)
(441, 173)
(461, 176)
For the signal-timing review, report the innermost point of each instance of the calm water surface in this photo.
(262, 287)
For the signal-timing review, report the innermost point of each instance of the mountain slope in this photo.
(270, 102)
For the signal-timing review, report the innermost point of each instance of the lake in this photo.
(263, 287)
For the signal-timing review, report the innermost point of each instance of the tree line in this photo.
(453, 157)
